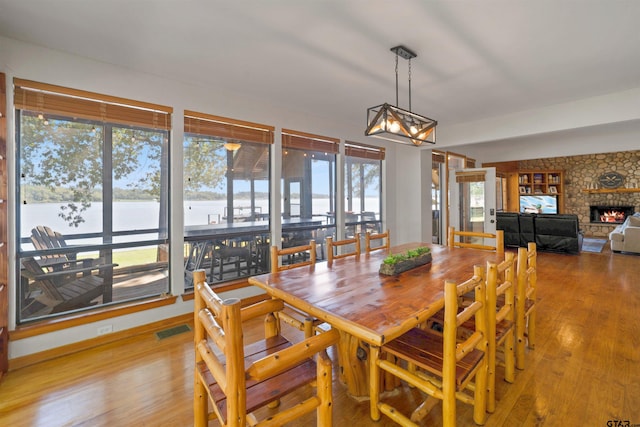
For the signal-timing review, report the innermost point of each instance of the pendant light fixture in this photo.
(232, 146)
(395, 124)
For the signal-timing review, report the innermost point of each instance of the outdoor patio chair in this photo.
(44, 238)
(78, 290)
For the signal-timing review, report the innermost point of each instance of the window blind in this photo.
(222, 127)
(307, 141)
(50, 99)
(438, 157)
(476, 176)
(364, 151)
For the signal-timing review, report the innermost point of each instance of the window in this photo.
(438, 188)
(226, 197)
(363, 189)
(93, 191)
(308, 188)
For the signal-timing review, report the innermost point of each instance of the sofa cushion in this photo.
(558, 233)
(527, 229)
(616, 236)
(509, 223)
(634, 221)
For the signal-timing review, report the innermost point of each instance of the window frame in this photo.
(110, 113)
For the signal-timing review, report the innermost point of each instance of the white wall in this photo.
(614, 137)
(410, 194)
(612, 109)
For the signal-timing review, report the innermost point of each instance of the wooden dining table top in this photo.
(354, 297)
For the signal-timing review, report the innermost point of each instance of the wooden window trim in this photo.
(82, 318)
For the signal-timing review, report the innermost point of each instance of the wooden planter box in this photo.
(392, 270)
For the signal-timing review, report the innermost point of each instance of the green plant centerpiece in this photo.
(397, 263)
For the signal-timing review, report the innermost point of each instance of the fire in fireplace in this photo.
(610, 214)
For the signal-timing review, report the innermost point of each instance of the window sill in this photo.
(77, 319)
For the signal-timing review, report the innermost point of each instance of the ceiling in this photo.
(331, 58)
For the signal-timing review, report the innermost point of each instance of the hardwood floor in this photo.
(585, 369)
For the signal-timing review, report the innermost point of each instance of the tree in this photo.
(205, 163)
(68, 156)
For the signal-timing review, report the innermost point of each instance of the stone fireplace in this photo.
(580, 172)
(610, 214)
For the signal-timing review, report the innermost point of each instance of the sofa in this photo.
(550, 232)
(626, 236)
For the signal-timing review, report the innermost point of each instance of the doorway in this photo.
(473, 200)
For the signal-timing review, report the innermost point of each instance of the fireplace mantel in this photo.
(610, 190)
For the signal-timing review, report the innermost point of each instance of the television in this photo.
(539, 204)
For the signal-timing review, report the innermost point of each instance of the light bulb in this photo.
(395, 127)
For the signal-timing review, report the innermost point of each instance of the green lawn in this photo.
(126, 258)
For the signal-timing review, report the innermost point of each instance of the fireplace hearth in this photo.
(610, 214)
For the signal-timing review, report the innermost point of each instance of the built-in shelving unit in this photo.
(541, 183)
(4, 261)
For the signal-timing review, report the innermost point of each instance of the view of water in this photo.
(144, 215)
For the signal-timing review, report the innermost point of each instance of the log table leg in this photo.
(353, 359)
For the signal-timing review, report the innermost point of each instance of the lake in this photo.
(144, 215)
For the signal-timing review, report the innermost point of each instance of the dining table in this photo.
(367, 307)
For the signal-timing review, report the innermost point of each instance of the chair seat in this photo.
(260, 391)
(424, 348)
(502, 328)
(77, 293)
(64, 290)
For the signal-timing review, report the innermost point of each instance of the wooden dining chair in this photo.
(526, 301)
(233, 380)
(500, 292)
(438, 364)
(501, 285)
(371, 237)
(467, 239)
(306, 253)
(334, 246)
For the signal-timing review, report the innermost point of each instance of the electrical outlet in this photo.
(106, 329)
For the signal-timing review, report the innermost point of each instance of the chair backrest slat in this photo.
(370, 237)
(457, 239)
(333, 246)
(302, 251)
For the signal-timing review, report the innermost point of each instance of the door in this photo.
(472, 200)
(292, 196)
